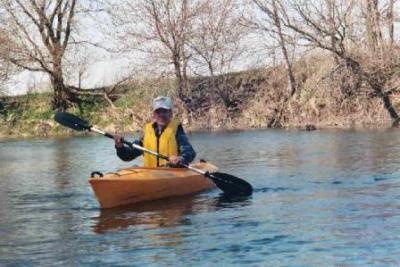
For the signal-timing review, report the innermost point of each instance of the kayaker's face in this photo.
(162, 116)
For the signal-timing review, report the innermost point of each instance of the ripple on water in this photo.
(329, 198)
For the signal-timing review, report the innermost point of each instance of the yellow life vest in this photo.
(165, 144)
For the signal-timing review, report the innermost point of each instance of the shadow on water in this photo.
(162, 213)
(226, 201)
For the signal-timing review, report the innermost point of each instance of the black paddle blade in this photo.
(71, 121)
(231, 185)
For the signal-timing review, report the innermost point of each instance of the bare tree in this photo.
(390, 21)
(267, 20)
(331, 14)
(160, 29)
(171, 24)
(44, 33)
(217, 41)
(309, 21)
(274, 10)
(3, 51)
(373, 24)
(41, 31)
(6, 69)
(217, 35)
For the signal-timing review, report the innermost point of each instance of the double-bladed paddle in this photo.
(229, 184)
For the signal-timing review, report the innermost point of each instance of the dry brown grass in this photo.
(328, 95)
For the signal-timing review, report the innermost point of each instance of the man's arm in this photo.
(186, 150)
(127, 153)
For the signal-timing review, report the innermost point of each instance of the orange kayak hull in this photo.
(139, 184)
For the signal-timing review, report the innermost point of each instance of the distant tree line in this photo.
(204, 38)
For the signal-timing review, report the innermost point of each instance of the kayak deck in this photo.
(138, 184)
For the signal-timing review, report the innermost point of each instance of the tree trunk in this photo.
(332, 27)
(178, 75)
(390, 21)
(377, 87)
(184, 74)
(277, 120)
(371, 35)
(387, 103)
(213, 83)
(282, 43)
(374, 33)
(60, 97)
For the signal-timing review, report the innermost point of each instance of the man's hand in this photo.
(118, 140)
(175, 160)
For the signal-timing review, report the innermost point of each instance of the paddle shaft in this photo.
(93, 129)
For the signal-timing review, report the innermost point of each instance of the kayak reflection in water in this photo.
(170, 212)
(164, 134)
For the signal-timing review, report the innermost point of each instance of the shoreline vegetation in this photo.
(244, 100)
(335, 64)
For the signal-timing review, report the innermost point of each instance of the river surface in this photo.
(323, 198)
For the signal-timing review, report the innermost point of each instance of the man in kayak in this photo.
(164, 134)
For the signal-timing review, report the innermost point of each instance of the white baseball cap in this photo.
(164, 102)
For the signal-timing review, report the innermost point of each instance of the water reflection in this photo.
(226, 201)
(163, 213)
(62, 163)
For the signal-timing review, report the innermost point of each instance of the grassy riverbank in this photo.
(251, 99)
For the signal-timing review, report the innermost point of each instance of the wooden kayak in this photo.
(138, 184)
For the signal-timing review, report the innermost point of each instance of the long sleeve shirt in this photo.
(185, 149)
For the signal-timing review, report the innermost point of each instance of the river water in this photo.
(322, 198)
